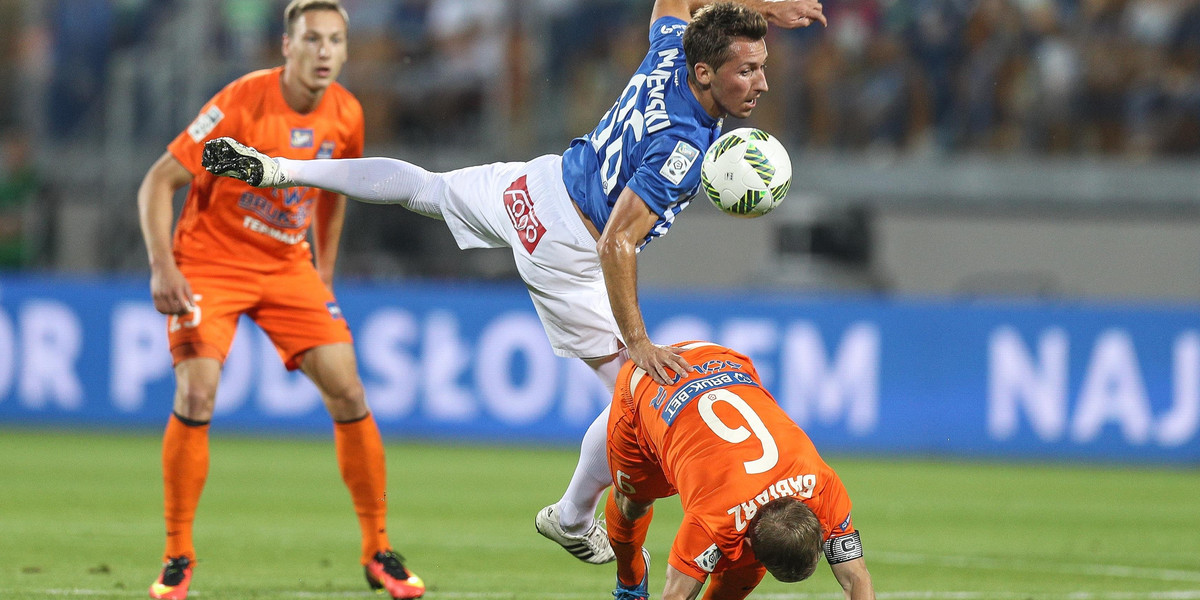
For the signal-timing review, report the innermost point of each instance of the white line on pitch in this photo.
(976, 562)
(902, 595)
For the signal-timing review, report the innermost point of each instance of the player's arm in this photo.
(680, 586)
(156, 214)
(629, 223)
(328, 221)
(855, 580)
(781, 13)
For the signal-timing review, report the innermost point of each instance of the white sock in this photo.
(577, 508)
(374, 180)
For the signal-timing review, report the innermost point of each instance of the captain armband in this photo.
(843, 548)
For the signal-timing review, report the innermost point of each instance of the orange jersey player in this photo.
(240, 250)
(756, 496)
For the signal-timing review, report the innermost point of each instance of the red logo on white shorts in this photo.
(520, 211)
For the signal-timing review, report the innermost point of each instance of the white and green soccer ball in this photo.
(746, 172)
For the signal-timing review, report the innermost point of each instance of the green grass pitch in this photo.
(80, 517)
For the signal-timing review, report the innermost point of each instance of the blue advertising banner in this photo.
(470, 361)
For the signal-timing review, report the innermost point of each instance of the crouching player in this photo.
(756, 496)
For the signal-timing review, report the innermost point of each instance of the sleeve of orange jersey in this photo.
(218, 118)
(691, 541)
(834, 512)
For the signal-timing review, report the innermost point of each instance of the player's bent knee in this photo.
(629, 509)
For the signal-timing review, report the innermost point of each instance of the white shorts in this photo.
(525, 206)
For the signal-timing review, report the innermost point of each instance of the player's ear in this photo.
(285, 50)
(704, 74)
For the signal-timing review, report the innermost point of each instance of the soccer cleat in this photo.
(591, 547)
(172, 583)
(639, 592)
(229, 158)
(386, 572)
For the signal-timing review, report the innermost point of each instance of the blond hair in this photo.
(296, 8)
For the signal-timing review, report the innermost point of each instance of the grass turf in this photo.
(80, 516)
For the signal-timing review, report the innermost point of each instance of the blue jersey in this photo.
(651, 141)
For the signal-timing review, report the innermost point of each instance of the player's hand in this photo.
(662, 363)
(792, 14)
(171, 291)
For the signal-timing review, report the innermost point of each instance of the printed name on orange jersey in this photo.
(801, 486)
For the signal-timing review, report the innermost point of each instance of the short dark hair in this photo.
(295, 8)
(709, 36)
(786, 538)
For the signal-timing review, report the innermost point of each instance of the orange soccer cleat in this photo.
(386, 572)
(172, 583)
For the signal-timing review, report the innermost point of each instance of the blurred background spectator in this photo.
(910, 106)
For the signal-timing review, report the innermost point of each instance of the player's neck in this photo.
(299, 97)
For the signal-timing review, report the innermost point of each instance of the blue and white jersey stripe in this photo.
(651, 141)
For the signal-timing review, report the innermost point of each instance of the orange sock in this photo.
(361, 460)
(184, 467)
(627, 538)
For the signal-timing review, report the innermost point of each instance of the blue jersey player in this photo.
(576, 222)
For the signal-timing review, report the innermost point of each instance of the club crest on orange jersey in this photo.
(302, 138)
(326, 149)
(335, 311)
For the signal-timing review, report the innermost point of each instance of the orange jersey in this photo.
(721, 441)
(226, 221)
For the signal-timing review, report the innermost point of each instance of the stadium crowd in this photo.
(468, 80)
(1112, 77)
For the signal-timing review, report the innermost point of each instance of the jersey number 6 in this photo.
(770, 454)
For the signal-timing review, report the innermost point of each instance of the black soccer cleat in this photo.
(226, 157)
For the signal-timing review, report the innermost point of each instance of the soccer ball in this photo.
(746, 172)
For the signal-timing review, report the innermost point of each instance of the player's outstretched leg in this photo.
(172, 583)
(227, 157)
(590, 547)
(386, 572)
(639, 592)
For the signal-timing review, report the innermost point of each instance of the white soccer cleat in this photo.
(229, 158)
(591, 547)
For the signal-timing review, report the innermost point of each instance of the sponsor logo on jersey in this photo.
(519, 206)
(843, 526)
(707, 561)
(302, 137)
(204, 124)
(680, 161)
(326, 149)
(334, 310)
(691, 389)
(677, 29)
(274, 215)
(259, 227)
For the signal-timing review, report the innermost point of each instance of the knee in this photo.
(195, 399)
(347, 401)
(629, 509)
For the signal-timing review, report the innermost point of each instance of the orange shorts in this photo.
(634, 472)
(292, 306)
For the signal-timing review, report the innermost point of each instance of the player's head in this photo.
(314, 41)
(786, 537)
(726, 53)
